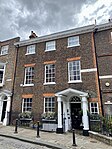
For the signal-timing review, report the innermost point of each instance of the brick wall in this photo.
(61, 55)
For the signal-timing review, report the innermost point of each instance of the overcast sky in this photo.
(20, 17)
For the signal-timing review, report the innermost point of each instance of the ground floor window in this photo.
(49, 104)
(108, 108)
(27, 104)
(94, 108)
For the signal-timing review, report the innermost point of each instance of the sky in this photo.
(20, 17)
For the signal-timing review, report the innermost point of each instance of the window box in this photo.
(25, 118)
(49, 121)
(49, 116)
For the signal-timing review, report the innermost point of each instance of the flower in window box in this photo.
(48, 116)
(25, 115)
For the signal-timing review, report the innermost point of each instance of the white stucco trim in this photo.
(89, 70)
(70, 90)
(106, 77)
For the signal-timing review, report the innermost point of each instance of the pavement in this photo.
(51, 139)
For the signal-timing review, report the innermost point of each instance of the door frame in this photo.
(75, 100)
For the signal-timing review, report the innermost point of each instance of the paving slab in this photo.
(62, 141)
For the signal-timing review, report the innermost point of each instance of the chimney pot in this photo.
(33, 35)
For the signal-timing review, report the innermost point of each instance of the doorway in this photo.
(4, 110)
(76, 118)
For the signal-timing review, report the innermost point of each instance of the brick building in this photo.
(7, 69)
(103, 44)
(63, 73)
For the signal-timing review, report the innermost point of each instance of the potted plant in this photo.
(25, 115)
(48, 116)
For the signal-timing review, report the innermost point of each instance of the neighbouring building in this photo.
(7, 69)
(103, 44)
(66, 72)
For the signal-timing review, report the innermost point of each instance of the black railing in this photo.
(101, 124)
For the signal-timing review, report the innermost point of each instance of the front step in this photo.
(1, 123)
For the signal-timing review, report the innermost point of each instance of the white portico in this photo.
(70, 102)
(5, 102)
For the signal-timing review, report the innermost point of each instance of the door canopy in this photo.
(71, 92)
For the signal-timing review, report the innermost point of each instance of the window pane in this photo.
(30, 49)
(74, 71)
(94, 107)
(29, 75)
(49, 104)
(27, 104)
(4, 50)
(50, 73)
(73, 41)
(50, 45)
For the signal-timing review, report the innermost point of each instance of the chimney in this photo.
(33, 35)
(110, 20)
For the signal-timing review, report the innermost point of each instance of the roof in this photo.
(71, 32)
(62, 34)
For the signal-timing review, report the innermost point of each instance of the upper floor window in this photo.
(94, 108)
(50, 73)
(74, 73)
(27, 104)
(29, 76)
(2, 73)
(49, 104)
(50, 46)
(4, 50)
(30, 49)
(73, 41)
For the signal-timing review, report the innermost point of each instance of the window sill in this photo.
(29, 53)
(25, 85)
(49, 50)
(79, 81)
(1, 84)
(73, 46)
(3, 54)
(50, 83)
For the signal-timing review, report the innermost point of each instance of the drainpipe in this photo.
(17, 48)
(94, 33)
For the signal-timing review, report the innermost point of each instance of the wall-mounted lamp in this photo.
(107, 84)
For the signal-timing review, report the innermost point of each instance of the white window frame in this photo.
(94, 108)
(4, 50)
(30, 49)
(23, 100)
(50, 45)
(52, 98)
(30, 84)
(3, 70)
(73, 41)
(52, 82)
(111, 36)
(69, 72)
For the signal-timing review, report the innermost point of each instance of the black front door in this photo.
(76, 118)
(4, 110)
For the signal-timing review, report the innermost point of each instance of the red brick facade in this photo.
(94, 53)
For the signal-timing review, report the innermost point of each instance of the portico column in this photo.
(85, 116)
(65, 118)
(60, 128)
(0, 108)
